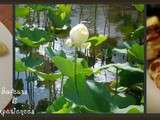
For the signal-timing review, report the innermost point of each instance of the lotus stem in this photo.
(61, 89)
(75, 71)
(116, 82)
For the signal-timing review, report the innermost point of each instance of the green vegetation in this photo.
(39, 27)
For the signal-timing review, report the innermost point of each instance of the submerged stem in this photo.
(50, 91)
(18, 75)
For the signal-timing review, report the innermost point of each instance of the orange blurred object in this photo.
(6, 16)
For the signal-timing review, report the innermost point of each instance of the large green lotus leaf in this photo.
(101, 96)
(48, 77)
(136, 53)
(44, 76)
(138, 33)
(88, 71)
(33, 60)
(97, 40)
(31, 43)
(61, 105)
(139, 7)
(33, 37)
(22, 11)
(129, 78)
(120, 66)
(20, 66)
(60, 16)
(73, 90)
(67, 66)
(51, 52)
(90, 94)
(94, 96)
(123, 101)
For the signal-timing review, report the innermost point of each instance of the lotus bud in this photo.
(79, 35)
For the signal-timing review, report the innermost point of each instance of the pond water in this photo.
(96, 17)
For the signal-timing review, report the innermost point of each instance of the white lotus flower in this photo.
(86, 45)
(79, 35)
(68, 42)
